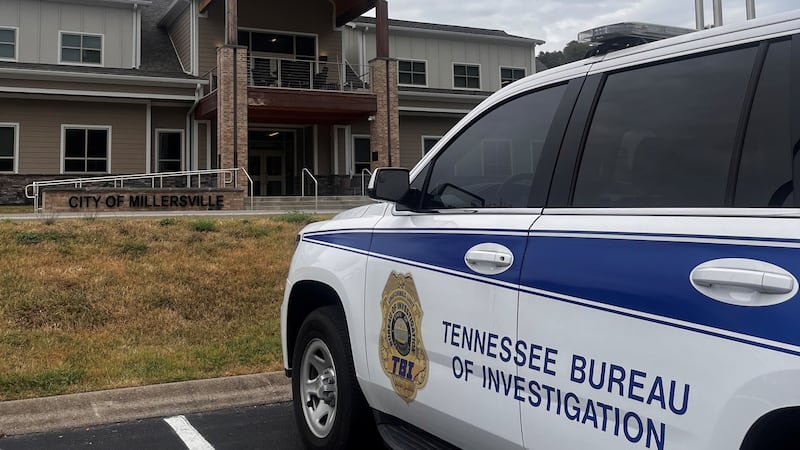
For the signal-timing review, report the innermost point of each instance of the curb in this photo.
(128, 404)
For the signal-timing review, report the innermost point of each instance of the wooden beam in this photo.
(204, 4)
(232, 22)
(382, 29)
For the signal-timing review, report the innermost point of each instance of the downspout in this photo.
(137, 36)
(189, 127)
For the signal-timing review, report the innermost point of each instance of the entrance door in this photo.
(267, 168)
(270, 161)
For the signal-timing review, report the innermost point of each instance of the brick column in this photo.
(232, 106)
(385, 128)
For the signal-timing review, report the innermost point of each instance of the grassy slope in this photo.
(96, 304)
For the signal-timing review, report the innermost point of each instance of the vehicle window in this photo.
(765, 173)
(493, 162)
(663, 135)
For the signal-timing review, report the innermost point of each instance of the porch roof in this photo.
(296, 106)
(346, 10)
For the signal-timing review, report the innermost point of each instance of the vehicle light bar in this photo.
(646, 31)
(617, 36)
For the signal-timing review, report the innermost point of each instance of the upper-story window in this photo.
(412, 73)
(466, 76)
(81, 48)
(509, 75)
(8, 43)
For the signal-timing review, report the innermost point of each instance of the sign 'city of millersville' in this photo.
(91, 200)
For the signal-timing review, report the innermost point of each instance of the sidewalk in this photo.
(123, 405)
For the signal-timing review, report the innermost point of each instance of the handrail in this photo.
(363, 172)
(229, 176)
(316, 187)
(250, 183)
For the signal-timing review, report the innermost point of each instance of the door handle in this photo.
(498, 259)
(489, 258)
(757, 280)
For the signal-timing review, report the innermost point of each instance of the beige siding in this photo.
(40, 131)
(40, 22)
(412, 128)
(325, 147)
(211, 32)
(181, 34)
(171, 118)
(440, 54)
(202, 146)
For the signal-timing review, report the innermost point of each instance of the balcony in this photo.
(305, 74)
(299, 91)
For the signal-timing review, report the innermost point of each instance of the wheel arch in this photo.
(305, 297)
(775, 430)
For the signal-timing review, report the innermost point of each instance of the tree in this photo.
(573, 51)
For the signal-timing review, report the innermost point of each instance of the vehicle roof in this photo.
(750, 31)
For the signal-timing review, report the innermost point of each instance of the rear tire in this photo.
(329, 408)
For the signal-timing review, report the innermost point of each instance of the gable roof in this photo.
(451, 29)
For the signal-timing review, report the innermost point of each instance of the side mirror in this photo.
(389, 183)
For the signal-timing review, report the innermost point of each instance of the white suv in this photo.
(602, 255)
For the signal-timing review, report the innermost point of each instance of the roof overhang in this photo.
(455, 34)
(345, 10)
(297, 106)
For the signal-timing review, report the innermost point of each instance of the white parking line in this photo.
(187, 433)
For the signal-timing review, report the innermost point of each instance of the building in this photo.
(98, 87)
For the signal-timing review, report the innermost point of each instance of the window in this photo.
(663, 135)
(81, 48)
(765, 172)
(362, 155)
(428, 142)
(86, 149)
(8, 43)
(292, 46)
(492, 163)
(466, 76)
(9, 141)
(170, 146)
(412, 73)
(509, 75)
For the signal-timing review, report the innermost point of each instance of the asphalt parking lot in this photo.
(253, 427)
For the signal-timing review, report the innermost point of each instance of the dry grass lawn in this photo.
(94, 304)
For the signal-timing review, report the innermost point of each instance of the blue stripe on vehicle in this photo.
(358, 241)
(653, 277)
(640, 276)
(447, 250)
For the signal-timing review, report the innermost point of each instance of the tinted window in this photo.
(765, 173)
(663, 135)
(493, 162)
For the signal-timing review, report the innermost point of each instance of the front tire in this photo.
(329, 408)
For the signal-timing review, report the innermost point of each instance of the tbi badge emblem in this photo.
(402, 354)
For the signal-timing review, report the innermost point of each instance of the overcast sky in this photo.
(559, 21)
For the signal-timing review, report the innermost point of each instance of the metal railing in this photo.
(229, 177)
(364, 171)
(316, 187)
(307, 74)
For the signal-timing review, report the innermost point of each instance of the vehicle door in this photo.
(663, 276)
(441, 289)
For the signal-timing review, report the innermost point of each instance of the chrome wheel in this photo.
(318, 388)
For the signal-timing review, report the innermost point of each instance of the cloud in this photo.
(559, 21)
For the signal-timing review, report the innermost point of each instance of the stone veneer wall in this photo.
(387, 117)
(12, 187)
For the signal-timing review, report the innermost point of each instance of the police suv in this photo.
(602, 255)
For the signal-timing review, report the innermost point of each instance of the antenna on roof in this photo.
(623, 35)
